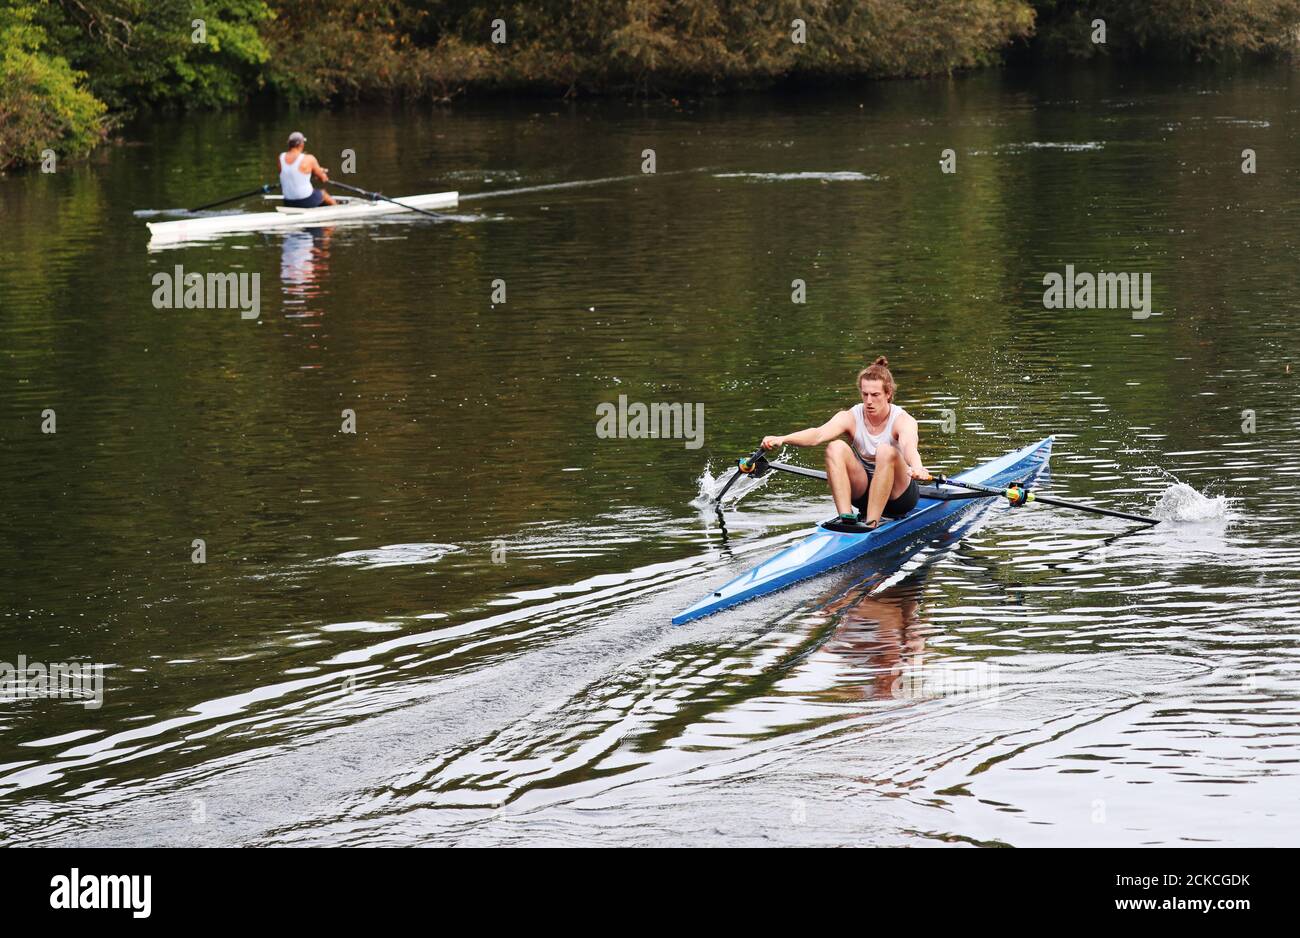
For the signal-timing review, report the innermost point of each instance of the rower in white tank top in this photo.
(294, 183)
(865, 442)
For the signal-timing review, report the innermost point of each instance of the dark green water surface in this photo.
(452, 625)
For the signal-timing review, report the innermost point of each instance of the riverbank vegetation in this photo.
(70, 68)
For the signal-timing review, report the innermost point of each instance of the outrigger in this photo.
(835, 542)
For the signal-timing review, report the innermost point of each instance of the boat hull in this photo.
(192, 229)
(824, 550)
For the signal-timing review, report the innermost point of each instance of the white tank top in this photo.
(864, 441)
(294, 183)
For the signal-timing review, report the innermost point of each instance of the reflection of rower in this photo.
(881, 636)
(297, 167)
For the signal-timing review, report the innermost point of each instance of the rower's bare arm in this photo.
(317, 170)
(834, 428)
(908, 442)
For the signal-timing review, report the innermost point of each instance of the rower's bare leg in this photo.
(890, 480)
(326, 198)
(845, 475)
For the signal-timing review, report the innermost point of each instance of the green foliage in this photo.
(1171, 29)
(347, 48)
(144, 52)
(355, 48)
(62, 58)
(43, 103)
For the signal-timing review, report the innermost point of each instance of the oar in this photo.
(1018, 496)
(379, 195)
(926, 491)
(758, 465)
(235, 198)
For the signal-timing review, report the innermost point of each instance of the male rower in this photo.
(297, 167)
(877, 473)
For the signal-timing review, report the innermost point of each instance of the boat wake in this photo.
(572, 184)
(843, 176)
(394, 555)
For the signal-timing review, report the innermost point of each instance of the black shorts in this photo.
(312, 201)
(895, 507)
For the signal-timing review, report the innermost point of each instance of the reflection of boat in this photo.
(826, 548)
(348, 209)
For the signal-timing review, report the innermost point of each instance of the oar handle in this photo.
(356, 189)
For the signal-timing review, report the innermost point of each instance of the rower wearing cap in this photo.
(877, 473)
(297, 167)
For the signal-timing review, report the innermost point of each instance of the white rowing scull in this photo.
(348, 209)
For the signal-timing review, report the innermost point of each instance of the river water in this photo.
(452, 626)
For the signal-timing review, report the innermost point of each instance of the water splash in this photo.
(1181, 502)
(394, 555)
(708, 486)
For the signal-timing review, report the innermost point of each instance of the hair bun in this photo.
(882, 360)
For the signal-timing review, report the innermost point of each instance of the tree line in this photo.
(71, 69)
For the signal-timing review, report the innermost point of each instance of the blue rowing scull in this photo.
(833, 545)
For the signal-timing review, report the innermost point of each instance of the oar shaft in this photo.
(1058, 502)
(1109, 512)
(734, 476)
(380, 195)
(798, 470)
(260, 190)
